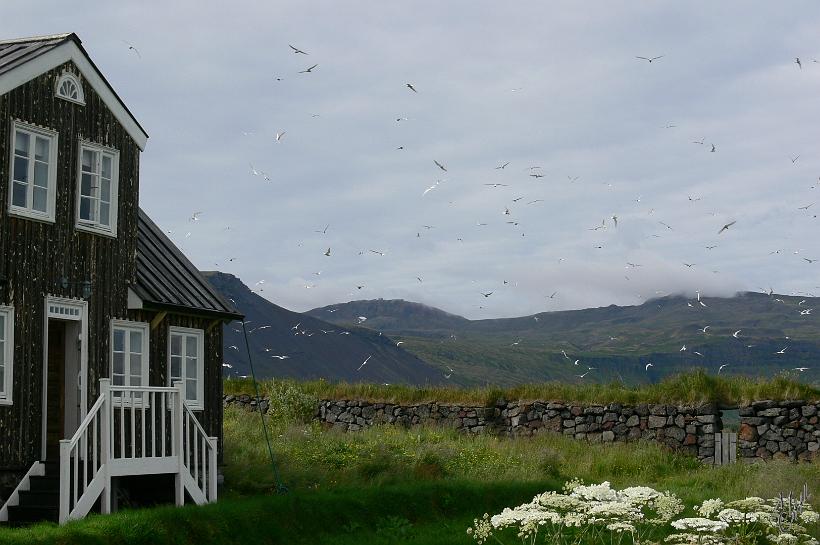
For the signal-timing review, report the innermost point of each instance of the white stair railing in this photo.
(136, 430)
(197, 456)
(86, 451)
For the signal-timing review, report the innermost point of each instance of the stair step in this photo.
(19, 514)
(44, 483)
(40, 498)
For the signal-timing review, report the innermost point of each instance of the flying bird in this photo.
(327, 253)
(726, 227)
(794, 159)
(132, 48)
(650, 59)
(363, 363)
(713, 149)
(801, 369)
(721, 367)
(565, 354)
(783, 351)
(409, 86)
(308, 70)
(798, 63)
(486, 294)
(439, 165)
(297, 50)
(279, 136)
(648, 365)
(736, 334)
(682, 348)
(502, 166)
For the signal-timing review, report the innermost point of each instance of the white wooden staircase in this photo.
(132, 431)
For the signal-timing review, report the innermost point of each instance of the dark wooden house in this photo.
(110, 339)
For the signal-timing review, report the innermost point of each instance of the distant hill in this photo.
(312, 348)
(618, 342)
(391, 315)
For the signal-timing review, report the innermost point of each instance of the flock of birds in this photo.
(534, 172)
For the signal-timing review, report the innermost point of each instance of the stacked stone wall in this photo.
(688, 429)
(779, 430)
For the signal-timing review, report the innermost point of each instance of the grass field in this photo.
(694, 387)
(404, 486)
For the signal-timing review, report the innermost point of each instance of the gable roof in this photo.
(166, 280)
(23, 59)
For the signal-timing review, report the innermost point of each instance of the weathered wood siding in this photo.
(211, 417)
(34, 255)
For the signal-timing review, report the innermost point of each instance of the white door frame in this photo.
(61, 308)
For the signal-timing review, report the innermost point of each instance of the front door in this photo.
(55, 403)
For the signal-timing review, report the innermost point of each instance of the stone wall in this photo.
(779, 430)
(684, 428)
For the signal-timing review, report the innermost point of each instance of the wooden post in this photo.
(65, 480)
(718, 449)
(178, 420)
(105, 443)
(212, 442)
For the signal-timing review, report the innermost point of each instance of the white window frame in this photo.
(129, 326)
(8, 356)
(96, 226)
(28, 211)
(68, 76)
(197, 404)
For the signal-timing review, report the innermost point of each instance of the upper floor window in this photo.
(33, 180)
(97, 195)
(186, 363)
(6, 353)
(69, 88)
(129, 356)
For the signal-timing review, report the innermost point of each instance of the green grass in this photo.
(389, 485)
(689, 388)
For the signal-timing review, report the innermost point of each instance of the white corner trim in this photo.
(61, 54)
(134, 301)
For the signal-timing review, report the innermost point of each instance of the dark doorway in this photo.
(55, 404)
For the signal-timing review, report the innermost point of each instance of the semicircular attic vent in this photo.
(69, 88)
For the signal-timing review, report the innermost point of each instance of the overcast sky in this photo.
(549, 84)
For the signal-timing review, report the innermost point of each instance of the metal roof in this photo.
(166, 280)
(13, 53)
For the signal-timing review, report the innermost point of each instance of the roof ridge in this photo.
(42, 38)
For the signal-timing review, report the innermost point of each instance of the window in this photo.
(68, 87)
(6, 353)
(34, 172)
(186, 363)
(97, 195)
(129, 355)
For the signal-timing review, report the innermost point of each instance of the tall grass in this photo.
(689, 388)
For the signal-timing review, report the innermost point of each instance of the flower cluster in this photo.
(598, 513)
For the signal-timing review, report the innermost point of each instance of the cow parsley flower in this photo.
(639, 494)
(699, 524)
(809, 517)
(599, 492)
(619, 527)
(481, 530)
(709, 507)
(784, 539)
(695, 539)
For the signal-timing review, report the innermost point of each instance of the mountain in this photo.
(391, 315)
(617, 342)
(310, 348)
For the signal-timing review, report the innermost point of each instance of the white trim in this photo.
(36, 470)
(134, 300)
(96, 227)
(197, 404)
(128, 326)
(8, 356)
(68, 76)
(83, 319)
(51, 198)
(70, 51)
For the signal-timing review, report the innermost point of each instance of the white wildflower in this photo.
(604, 511)
(709, 507)
(809, 517)
(752, 503)
(695, 539)
(784, 539)
(619, 527)
(666, 506)
(598, 492)
(639, 494)
(699, 524)
(481, 529)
